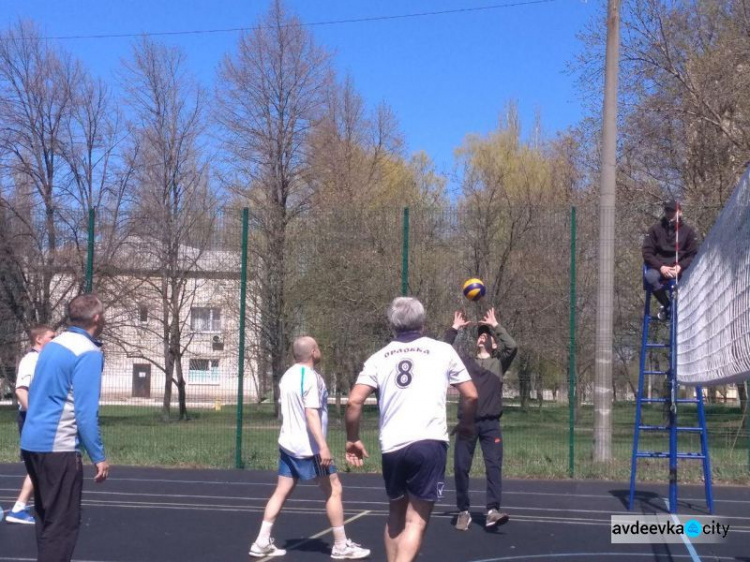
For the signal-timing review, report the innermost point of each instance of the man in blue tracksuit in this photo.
(64, 413)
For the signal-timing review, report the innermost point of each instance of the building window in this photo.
(143, 314)
(205, 319)
(203, 371)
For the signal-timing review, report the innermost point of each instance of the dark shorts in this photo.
(417, 470)
(21, 419)
(307, 468)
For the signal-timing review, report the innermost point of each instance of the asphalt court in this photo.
(186, 515)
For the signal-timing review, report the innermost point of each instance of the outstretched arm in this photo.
(506, 345)
(459, 322)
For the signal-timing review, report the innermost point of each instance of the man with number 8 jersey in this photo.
(411, 375)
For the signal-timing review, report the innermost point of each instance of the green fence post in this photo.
(90, 254)
(572, 350)
(405, 255)
(241, 347)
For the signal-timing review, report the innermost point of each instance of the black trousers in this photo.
(58, 484)
(491, 440)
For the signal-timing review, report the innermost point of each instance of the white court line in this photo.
(606, 496)
(220, 507)
(317, 536)
(513, 508)
(578, 555)
(34, 560)
(685, 539)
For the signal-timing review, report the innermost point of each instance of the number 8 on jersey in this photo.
(405, 376)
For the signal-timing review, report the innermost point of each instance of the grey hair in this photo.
(406, 314)
(82, 310)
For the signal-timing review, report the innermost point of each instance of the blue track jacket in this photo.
(64, 397)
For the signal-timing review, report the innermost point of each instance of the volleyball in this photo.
(474, 289)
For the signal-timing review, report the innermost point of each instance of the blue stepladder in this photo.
(672, 401)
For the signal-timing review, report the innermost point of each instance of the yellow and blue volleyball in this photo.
(474, 289)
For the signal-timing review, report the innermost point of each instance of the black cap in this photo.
(670, 205)
(484, 329)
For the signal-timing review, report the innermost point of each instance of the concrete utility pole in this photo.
(605, 316)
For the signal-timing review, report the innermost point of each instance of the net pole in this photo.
(606, 294)
(90, 254)
(572, 348)
(241, 344)
(405, 255)
(675, 296)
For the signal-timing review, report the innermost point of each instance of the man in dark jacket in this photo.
(663, 257)
(495, 352)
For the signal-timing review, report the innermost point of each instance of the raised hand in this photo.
(459, 320)
(489, 318)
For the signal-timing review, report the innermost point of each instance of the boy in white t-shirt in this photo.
(304, 452)
(39, 336)
(411, 375)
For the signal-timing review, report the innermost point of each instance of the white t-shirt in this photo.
(26, 371)
(301, 387)
(412, 379)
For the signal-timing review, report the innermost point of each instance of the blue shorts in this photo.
(307, 468)
(417, 470)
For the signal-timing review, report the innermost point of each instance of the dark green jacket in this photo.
(487, 374)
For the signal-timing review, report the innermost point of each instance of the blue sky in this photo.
(444, 75)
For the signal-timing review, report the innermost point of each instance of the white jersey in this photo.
(412, 379)
(301, 387)
(25, 373)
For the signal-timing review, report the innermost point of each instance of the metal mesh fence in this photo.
(171, 391)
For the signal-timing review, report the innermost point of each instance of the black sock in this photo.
(661, 296)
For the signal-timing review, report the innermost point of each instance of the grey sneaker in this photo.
(664, 314)
(494, 518)
(350, 551)
(463, 521)
(268, 550)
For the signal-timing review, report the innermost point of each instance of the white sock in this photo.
(264, 536)
(339, 536)
(19, 506)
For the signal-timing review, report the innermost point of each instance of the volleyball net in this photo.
(713, 333)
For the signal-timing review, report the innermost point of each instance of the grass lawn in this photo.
(536, 442)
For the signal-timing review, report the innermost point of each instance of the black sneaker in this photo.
(664, 314)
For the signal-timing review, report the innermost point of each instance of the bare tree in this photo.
(37, 94)
(270, 92)
(60, 156)
(175, 208)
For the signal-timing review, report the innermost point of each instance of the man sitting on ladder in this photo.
(668, 249)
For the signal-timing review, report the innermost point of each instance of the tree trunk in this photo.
(181, 392)
(742, 394)
(168, 359)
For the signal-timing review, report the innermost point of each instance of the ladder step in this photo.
(663, 400)
(657, 345)
(655, 372)
(666, 428)
(662, 455)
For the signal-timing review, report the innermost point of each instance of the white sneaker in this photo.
(269, 550)
(350, 551)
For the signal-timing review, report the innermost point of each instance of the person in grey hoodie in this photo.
(495, 352)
